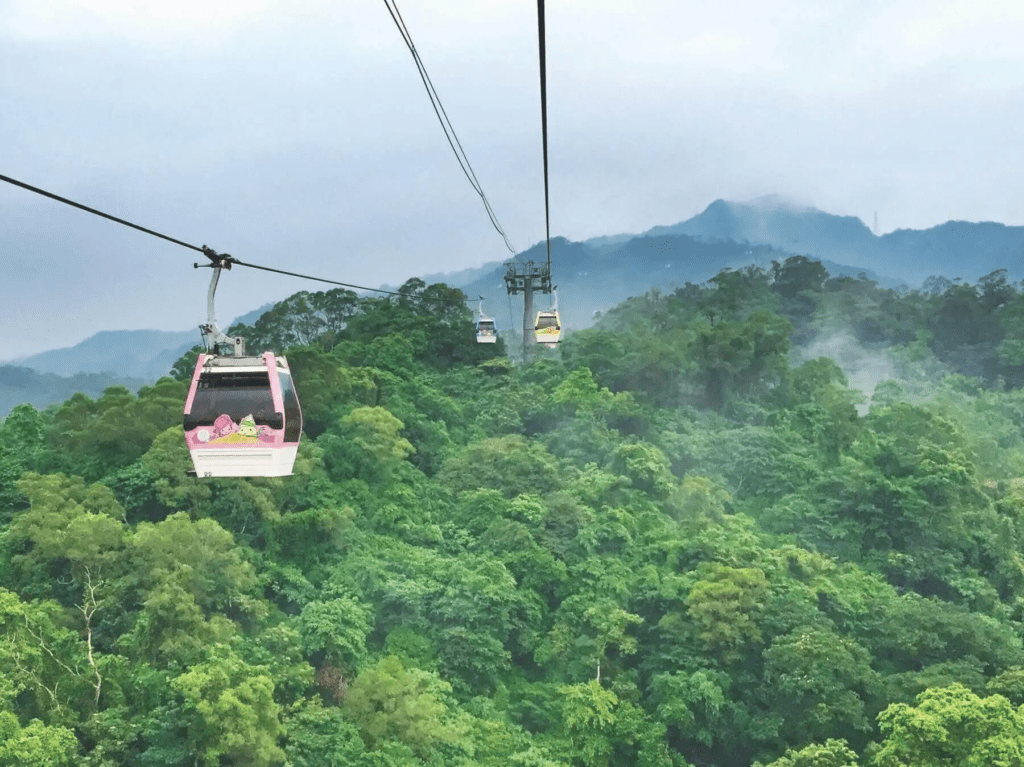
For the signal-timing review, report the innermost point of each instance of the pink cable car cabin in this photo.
(242, 417)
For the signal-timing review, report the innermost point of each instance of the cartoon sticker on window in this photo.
(245, 433)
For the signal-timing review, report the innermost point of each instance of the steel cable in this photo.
(213, 255)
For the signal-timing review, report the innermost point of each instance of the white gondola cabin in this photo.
(548, 328)
(485, 330)
(242, 417)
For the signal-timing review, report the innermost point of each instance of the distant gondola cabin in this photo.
(548, 328)
(485, 331)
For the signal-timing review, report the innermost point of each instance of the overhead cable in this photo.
(446, 125)
(348, 285)
(95, 212)
(213, 255)
(544, 123)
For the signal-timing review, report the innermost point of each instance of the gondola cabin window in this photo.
(236, 395)
(547, 321)
(292, 413)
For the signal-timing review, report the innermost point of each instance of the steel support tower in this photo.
(527, 278)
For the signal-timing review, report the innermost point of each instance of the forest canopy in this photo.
(683, 538)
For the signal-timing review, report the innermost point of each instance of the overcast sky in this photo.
(298, 135)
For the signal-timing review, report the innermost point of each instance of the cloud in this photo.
(149, 23)
(864, 368)
(299, 134)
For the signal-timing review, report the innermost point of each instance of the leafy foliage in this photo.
(685, 538)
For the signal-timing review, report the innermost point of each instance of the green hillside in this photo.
(681, 538)
(21, 385)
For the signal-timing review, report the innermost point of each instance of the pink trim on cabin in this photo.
(200, 361)
(275, 382)
(242, 446)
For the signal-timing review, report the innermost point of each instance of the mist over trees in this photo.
(683, 538)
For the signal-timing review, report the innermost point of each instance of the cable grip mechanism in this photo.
(213, 336)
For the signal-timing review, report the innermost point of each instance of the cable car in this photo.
(242, 416)
(548, 327)
(485, 330)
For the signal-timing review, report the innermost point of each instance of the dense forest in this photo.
(682, 538)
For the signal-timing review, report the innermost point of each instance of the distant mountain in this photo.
(609, 241)
(143, 354)
(250, 317)
(770, 221)
(458, 278)
(19, 385)
(597, 274)
(954, 249)
(595, 278)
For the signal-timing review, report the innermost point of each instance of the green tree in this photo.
(44, 669)
(323, 386)
(819, 682)
(695, 705)
(951, 726)
(368, 446)
(23, 441)
(389, 702)
(92, 439)
(319, 736)
(741, 358)
(334, 631)
(35, 745)
(510, 464)
(646, 467)
(831, 753)
(821, 407)
(168, 464)
(68, 544)
(725, 604)
(603, 729)
(185, 366)
(579, 391)
(188, 577)
(232, 709)
(797, 274)
(587, 631)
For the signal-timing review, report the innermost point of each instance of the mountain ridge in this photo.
(143, 354)
(972, 249)
(602, 271)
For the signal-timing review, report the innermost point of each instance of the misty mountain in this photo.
(143, 354)
(20, 385)
(594, 276)
(953, 249)
(597, 274)
(591, 277)
(133, 353)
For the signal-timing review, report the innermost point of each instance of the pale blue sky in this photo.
(298, 135)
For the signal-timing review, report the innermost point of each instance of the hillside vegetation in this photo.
(680, 539)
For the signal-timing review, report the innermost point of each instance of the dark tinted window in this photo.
(547, 321)
(237, 395)
(292, 412)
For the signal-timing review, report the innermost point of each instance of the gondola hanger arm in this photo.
(213, 336)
